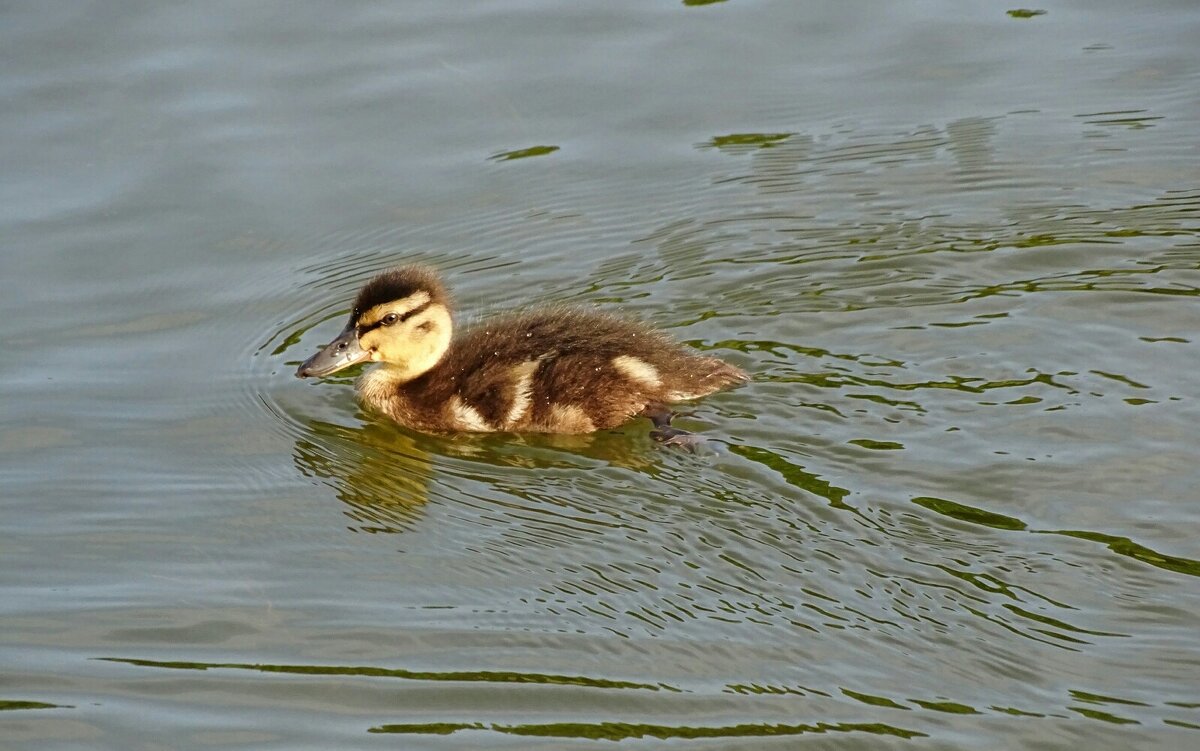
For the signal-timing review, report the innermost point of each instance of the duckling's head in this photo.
(400, 318)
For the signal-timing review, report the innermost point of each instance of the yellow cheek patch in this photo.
(405, 348)
(371, 340)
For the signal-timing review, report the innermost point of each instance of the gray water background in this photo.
(956, 247)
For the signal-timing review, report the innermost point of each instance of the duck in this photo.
(550, 369)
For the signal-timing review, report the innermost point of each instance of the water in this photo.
(957, 249)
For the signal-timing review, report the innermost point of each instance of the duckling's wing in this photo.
(572, 370)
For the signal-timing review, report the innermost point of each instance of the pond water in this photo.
(957, 246)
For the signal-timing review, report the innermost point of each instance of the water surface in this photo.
(956, 247)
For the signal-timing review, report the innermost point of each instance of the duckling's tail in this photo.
(710, 375)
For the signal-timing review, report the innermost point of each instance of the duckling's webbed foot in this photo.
(670, 436)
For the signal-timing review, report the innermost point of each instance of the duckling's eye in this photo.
(390, 318)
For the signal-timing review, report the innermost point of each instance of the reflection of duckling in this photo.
(381, 474)
(549, 370)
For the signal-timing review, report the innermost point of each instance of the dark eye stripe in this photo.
(404, 317)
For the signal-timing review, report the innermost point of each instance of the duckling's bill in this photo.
(338, 354)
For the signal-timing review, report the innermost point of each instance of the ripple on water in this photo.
(861, 496)
(956, 501)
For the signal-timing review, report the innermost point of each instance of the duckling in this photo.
(554, 369)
